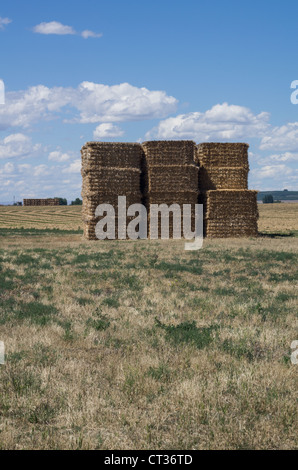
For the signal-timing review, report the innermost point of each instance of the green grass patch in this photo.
(188, 332)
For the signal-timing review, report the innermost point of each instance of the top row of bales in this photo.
(169, 172)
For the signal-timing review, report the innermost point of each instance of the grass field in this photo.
(142, 345)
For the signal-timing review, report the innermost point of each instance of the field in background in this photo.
(273, 217)
(56, 217)
(142, 345)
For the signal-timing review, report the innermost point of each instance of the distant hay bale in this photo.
(41, 202)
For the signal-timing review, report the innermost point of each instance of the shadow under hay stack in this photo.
(109, 170)
(230, 209)
(170, 176)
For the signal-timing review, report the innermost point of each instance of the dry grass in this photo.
(278, 217)
(102, 351)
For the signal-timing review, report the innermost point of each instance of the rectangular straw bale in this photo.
(231, 229)
(171, 178)
(110, 154)
(167, 152)
(182, 197)
(222, 178)
(214, 154)
(230, 204)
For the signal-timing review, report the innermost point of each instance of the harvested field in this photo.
(278, 218)
(142, 345)
(56, 217)
(274, 218)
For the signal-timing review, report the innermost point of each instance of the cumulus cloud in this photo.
(17, 145)
(93, 103)
(106, 130)
(53, 27)
(90, 34)
(4, 22)
(222, 122)
(272, 171)
(282, 138)
(7, 168)
(74, 167)
(281, 157)
(58, 156)
(124, 102)
(41, 170)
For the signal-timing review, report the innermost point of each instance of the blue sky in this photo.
(116, 70)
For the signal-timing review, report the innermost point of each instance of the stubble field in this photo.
(142, 345)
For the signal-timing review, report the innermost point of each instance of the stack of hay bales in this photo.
(109, 170)
(170, 176)
(41, 202)
(230, 209)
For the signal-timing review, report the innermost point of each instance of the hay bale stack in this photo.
(41, 202)
(109, 170)
(230, 213)
(230, 210)
(169, 176)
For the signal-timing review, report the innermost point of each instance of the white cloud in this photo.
(273, 171)
(107, 129)
(281, 138)
(7, 169)
(17, 145)
(41, 170)
(124, 102)
(24, 167)
(53, 27)
(58, 156)
(74, 167)
(90, 34)
(4, 22)
(94, 103)
(282, 157)
(223, 122)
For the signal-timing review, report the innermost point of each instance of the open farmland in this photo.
(56, 217)
(142, 345)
